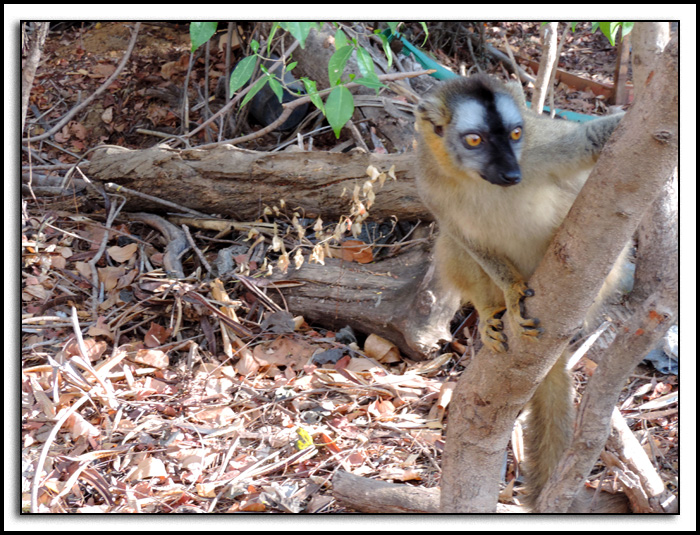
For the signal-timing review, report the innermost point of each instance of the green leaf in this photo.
(340, 39)
(387, 49)
(425, 30)
(372, 81)
(254, 45)
(242, 73)
(337, 63)
(609, 29)
(257, 86)
(299, 30)
(627, 28)
(277, 88)
(310, 86)
(201, 32)
(339, 108)
(364, 62)
(275, 25)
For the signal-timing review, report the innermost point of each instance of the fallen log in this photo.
(375, 496)
(398, 298)
(237, 183)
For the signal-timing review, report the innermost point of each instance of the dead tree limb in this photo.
(374, 496)
(398, 298)
(236, 183)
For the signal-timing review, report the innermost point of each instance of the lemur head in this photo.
(477, 124)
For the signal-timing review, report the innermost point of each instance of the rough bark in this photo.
(398, 298)
(236, 183)
(372, 496)
(648, 42)
(36, 45)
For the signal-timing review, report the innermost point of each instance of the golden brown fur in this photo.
(493, 234)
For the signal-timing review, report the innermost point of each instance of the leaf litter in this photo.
(130, 410)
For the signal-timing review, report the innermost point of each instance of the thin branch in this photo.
(36, 44)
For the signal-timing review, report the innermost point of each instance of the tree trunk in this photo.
(631, 172)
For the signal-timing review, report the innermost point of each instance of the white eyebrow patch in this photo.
(508, 110)
(470, 115)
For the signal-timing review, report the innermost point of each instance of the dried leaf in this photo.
(101, 329)
(157, 335)
(80, 427)
(122, 254)
(279, 322)
(283, 262)
(110, 276)
(152, 357)
(247, 364)
(329, 442)
(317, 255)
(216, 415)
(277, 243)
(381, 350)
(207, 490)
(298, 259)
(149, 467)
(94, 349)
(355, 251)
(382, 409)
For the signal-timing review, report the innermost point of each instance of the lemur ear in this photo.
(516, 91)
(433, 110)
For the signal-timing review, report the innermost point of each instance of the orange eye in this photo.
(473, 140)
(516, 133)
